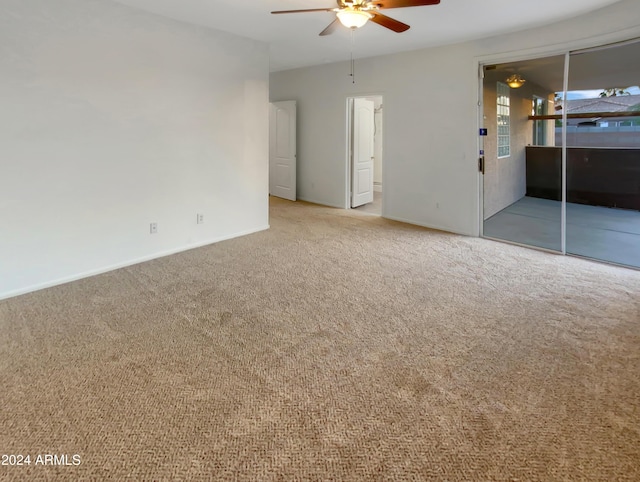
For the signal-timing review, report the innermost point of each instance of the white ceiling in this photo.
(295, 42)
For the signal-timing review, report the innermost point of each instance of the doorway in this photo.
(282, 150)
(561, 154)
(364, 154)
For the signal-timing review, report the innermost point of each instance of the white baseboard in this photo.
(131, 262)
(436, 227)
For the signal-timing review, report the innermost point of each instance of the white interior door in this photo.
(282, 149)
(362, 152)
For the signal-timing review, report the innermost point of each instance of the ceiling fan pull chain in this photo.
(353, 70)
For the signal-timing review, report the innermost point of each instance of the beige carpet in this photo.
(335, 346)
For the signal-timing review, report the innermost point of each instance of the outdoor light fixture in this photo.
(351, 18)
(515, 81)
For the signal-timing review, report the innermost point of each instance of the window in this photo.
(504, 141)
(539, 107)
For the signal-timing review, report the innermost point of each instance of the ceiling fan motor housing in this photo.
(356, 13)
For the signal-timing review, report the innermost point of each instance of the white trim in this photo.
(347, 164)
(106, 269)
(435, 227)
(481, 124)
(559, 49)
(563, 191)
(623, 43)
(349, 128)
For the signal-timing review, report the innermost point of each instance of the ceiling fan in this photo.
(355, 13)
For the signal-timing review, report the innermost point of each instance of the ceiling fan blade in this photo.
(305, 10)
(330, 28)
(404, 3)
(389, 22)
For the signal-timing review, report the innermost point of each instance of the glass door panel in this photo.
(522, 184)
(603, 154)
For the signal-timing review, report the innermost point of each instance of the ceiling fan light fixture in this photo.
(352, 18)
(515, 81)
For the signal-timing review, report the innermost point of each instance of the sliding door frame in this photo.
(567, 49)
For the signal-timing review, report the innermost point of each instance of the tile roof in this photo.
(618, 103)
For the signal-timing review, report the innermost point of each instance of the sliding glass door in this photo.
(582, 198)
(603, 154)
(522, 172)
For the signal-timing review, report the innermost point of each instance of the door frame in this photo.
(564, 48)
(348, 145)
(567, 51)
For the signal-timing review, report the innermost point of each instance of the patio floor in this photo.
(606, 234)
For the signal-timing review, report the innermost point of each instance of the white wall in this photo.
(431, 117)
(113, 118)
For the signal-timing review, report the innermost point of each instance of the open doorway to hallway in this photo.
(364, 153)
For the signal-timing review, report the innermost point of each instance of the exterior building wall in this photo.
(505, 178)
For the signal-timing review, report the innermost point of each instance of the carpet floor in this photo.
(333, 346)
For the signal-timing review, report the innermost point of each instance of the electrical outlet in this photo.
(200, 219)
(153, 228)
